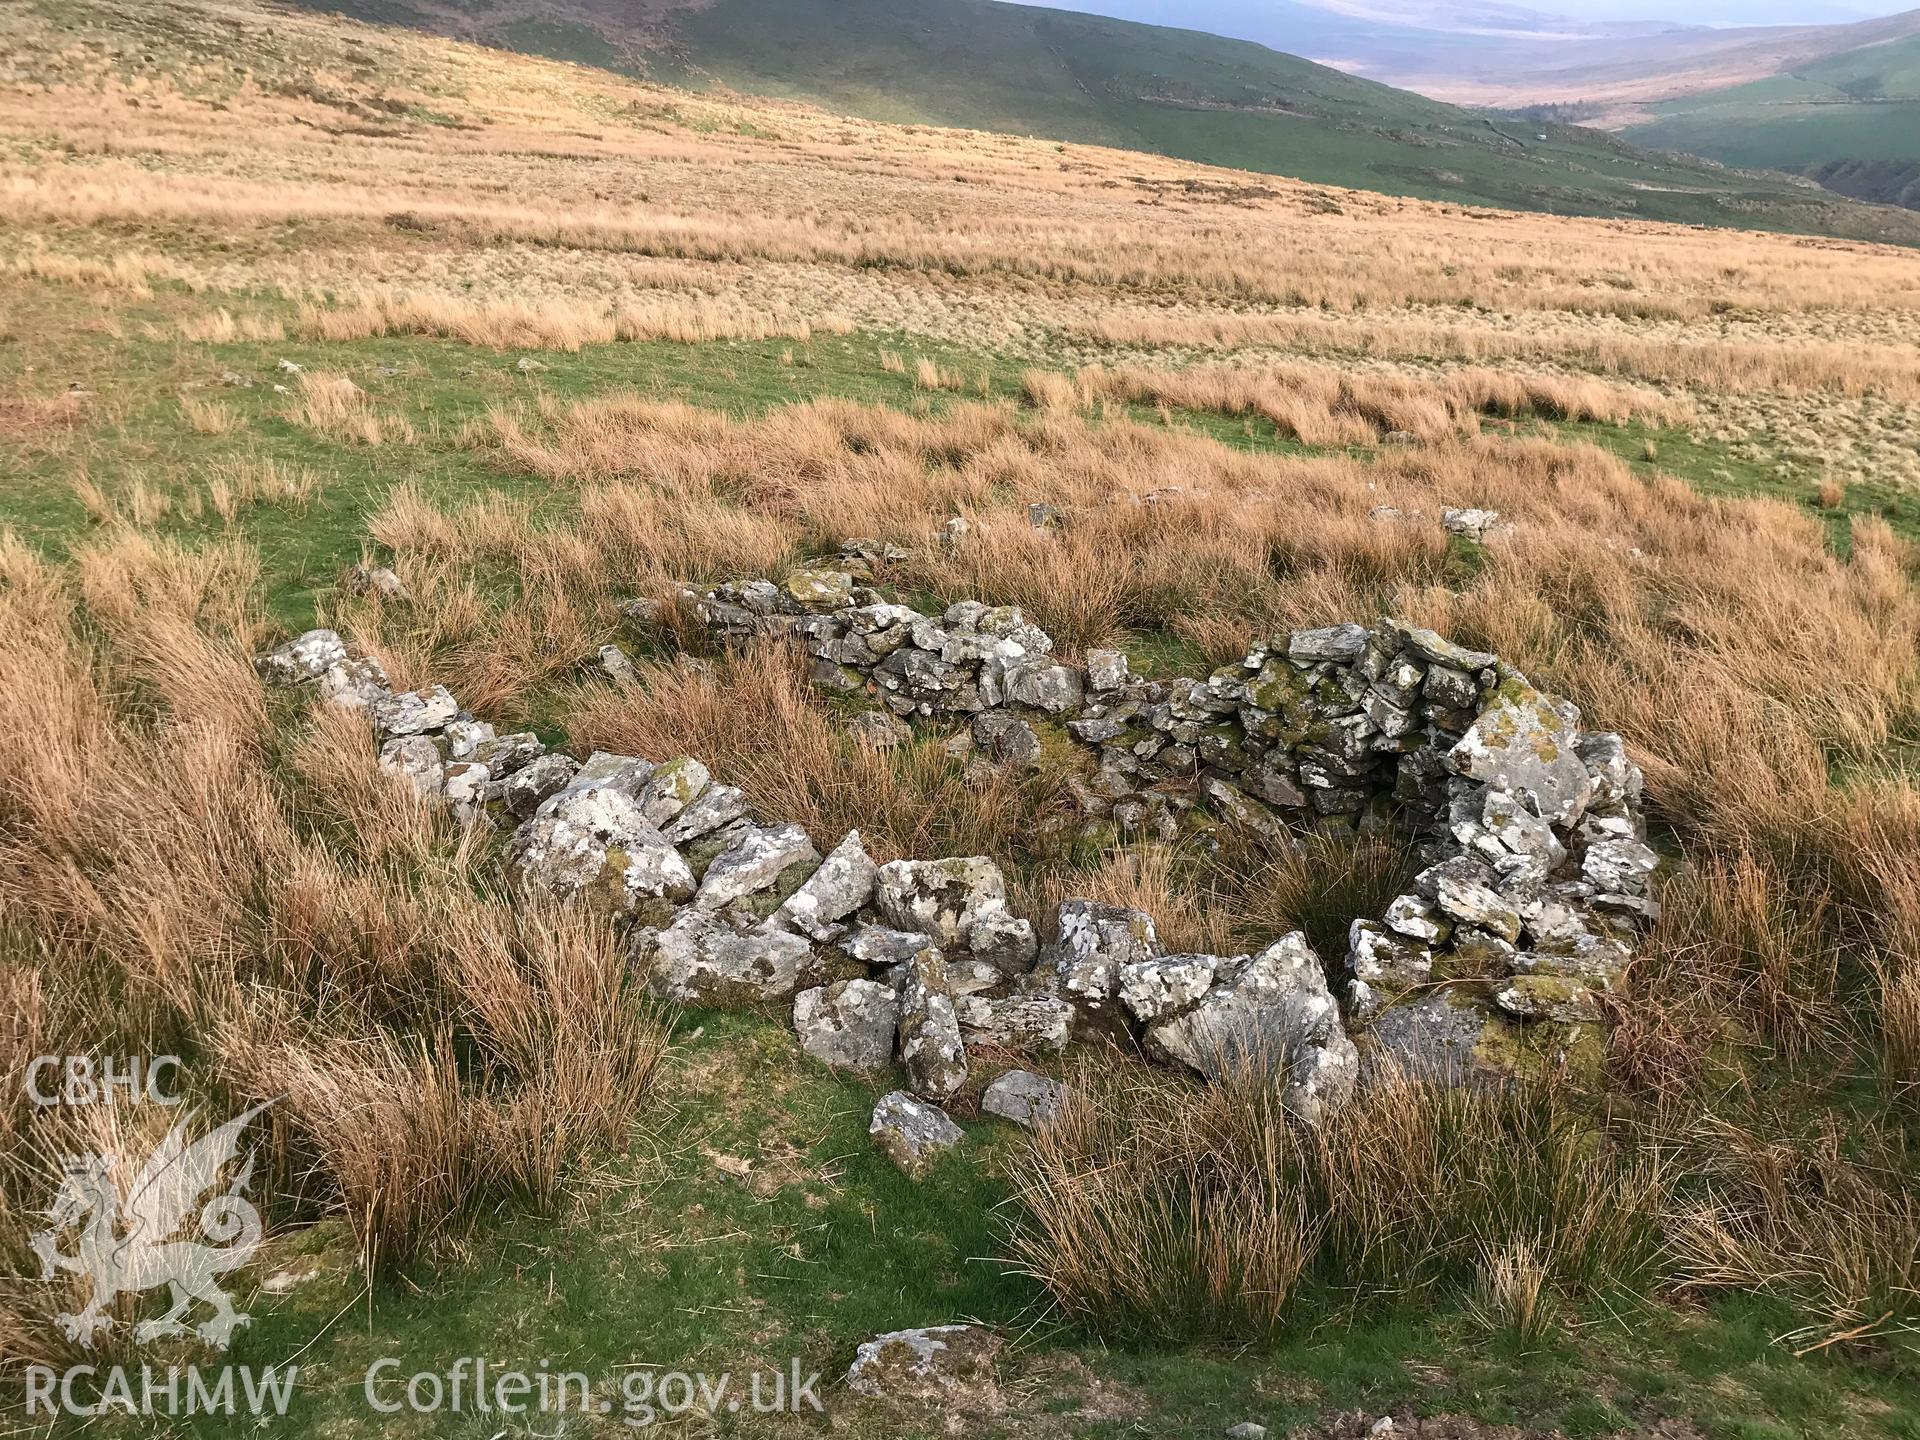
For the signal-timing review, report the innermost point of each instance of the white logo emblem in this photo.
(126, 1241)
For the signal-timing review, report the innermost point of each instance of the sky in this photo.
(1721, 12)
(1203, 14)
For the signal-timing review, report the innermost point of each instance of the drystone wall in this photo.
(1502, 956)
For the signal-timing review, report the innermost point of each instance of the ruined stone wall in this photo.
(1535, 885)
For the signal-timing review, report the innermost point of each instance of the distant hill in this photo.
(1052, 73)
(1835, 103)
(1850, 121)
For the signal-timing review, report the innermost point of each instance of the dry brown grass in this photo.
(1166, 1211)
(551, 323)
(208, 417)
(767, 219)
(1802, 1220)
(1319, 405)
(311, 932)
(235, 486)
(334, 406)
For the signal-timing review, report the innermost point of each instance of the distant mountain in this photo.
(1850, 120)
(1839, 104)
(1071, 76)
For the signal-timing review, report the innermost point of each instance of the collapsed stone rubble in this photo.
(1504, 953)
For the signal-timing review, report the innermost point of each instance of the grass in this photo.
(709, 1267)
(1686, 562)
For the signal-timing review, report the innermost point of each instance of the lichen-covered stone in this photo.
(626, 773)
(1107, 670)
(941, 898)
(527, 788)
(820, 590)
(879, 945)
(1380, 959)
(672, 788)
(1056, 689)
(352, 684)
(950, 1366)
(305, 657)
(1618, 866)
(506, 754)
(756, 861)
(843, 884)
(464, 737)
(1548, 997)
(1522, 745)
(1004, 941)
(1330, 643)
(595, 845)
(413, 712)
(700, 959)
(1006, 739)
(1269, 1015)
(1032, 1022)
(1096, 942)
(1462, 886)
(911, 1132)
(930, 1044)
(850, 1024)
(716, 806)
(1165, 985)
(465, 786)
(1024, 1098)
(415, 759)
(1439, 1035)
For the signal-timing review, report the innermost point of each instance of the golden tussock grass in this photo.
(550, 323)
(332, 405)
(1319, 405)
(208, 417)
(220, 326)
(307, 928)
(235, 486)
(1165, 1211)
(1722, 367)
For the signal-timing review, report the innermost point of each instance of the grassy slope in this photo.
(1028, 70)
(1861, 107)
(670, 1256)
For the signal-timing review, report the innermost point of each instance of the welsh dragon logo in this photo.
(127, 1240)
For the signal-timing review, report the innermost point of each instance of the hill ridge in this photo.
(1031, 70)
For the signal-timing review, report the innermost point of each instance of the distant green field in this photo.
(1853, 116)
(1032, 71)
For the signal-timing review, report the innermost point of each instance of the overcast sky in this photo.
(1722, 12)
(1202, 14)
